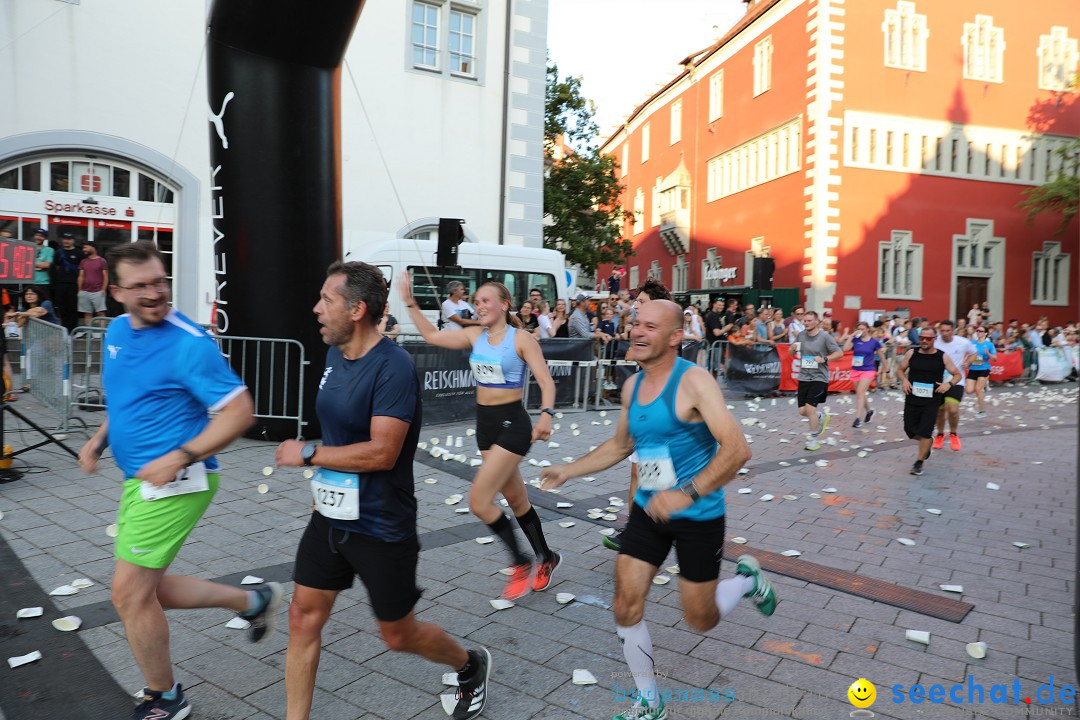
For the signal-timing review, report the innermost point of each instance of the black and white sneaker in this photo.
(155, 707)
(916, 469)
(264, 620)
(472, 691)
(869, 416)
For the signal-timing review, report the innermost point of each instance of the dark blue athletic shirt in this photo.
(351, 392)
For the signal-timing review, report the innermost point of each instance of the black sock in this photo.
(505, 531)
(534, 533)
(469, 667)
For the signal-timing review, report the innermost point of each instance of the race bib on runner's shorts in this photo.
(655, 469)
(923, 390)
(809, 363)
(336, 494)
(191, 479)
(487, 370)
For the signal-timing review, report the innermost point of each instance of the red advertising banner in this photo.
(76, 222)
(1008, 365)
(839, 371)
(112, 224)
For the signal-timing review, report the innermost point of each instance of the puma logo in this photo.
(217, 120)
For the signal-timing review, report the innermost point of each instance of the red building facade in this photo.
(875, 150)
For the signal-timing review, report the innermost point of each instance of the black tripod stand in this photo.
(8, 475)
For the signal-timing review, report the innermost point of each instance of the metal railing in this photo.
(46, 364)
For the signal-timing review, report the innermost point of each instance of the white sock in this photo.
(637, 648)
(730, 591)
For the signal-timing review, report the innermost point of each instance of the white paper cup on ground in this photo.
(976, 650)
(67, 624)
(920, 636)
(30, 612)
(563, 598)
(501, 604)
(584, 677)
(15, 662)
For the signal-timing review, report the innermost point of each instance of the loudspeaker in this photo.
(451, 234)
(763, 272)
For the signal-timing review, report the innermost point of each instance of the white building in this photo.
(104, 125)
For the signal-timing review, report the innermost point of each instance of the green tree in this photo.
(1062, 194)
(581, 187)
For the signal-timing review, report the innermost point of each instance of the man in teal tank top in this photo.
(689, 446)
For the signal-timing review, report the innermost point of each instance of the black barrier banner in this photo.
(566, 377)
(446, 383)
(752, 372)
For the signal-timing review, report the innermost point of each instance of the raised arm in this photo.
(460, 340)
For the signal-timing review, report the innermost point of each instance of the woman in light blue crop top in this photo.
(504, 431)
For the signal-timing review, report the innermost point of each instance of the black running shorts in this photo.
(329, 559)
(956, 392)
(508, 426)
(699, 544)
(919, 419)
(976, 374)
(812, 392)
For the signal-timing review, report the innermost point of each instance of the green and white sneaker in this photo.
(641, 711)
(812, 443)
(823, 419)
(763, 595)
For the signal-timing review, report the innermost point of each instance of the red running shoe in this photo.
(939, 442)
(518, 585)
(954, 441)
(545, 570)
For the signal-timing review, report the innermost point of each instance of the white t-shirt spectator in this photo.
(546, 329)
(450, 309)
(793, 329)
(957, 349)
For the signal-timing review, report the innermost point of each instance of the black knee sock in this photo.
(505, 531)
(534, 532)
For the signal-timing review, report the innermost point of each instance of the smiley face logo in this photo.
(862, 693)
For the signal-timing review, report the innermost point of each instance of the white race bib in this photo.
(336, 494)
(809, 363)
(487, 370)
(923, 390)
(857, 360)
(191, 479)
(656, 471)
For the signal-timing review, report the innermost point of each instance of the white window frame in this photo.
(716, 95)
(763, 51)
(657, 198)
(905, 34)
(656, 272)
(623, 168)
(1050, 275)
(635, 277)
(675, 134)
(759, 160)
(646, 138)
(900, 267)
(424, 47)
(455, 57)
(1058, 54)
(680, 274)
(639, 211)
(984, 50)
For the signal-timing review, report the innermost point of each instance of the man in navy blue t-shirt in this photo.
(364, 519)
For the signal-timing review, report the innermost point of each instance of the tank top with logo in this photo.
(497, 366)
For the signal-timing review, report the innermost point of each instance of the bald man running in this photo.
(689, 446)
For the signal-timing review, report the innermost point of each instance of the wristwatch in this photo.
(690, 491)
(549, 411)
(308, 452)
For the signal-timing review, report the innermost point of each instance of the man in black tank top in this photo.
(921, 374)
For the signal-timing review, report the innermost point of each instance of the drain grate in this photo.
(880, 591)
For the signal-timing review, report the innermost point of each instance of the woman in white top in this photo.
(544, 328)
(691, 326)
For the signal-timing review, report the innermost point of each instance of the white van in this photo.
(518, 268)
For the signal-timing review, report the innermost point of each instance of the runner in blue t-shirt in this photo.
(689, 447)
(163, 375)
(866, 351)
(979, 372)
(364, 508)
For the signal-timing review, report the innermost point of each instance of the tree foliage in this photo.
(1061, 195)
(581, 188)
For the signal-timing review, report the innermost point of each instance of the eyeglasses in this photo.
(927, 337)
(142, 289)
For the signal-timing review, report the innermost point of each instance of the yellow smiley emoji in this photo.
(862, 693)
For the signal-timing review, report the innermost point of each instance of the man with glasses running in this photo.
(920, 374)
(164, 375)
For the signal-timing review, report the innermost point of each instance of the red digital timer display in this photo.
(16, 261)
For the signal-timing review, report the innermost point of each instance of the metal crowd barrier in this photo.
(46, 364)
(272, 368)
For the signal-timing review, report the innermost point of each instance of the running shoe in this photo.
(641, 711)
(545, 570)
(763, 595)
(939, 442)
(155, 707)
(916, 469)
(869, 416)
(264, 619)
(613, 542)
(823, 418)
(981, 414)
(954, 441)
(518, 585)
(812, 443)
(857, 423)
(472, 691)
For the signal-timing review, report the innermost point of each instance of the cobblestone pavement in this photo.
(798, 663)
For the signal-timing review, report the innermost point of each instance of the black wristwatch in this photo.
(690, 491)
(308, 452)
(549, 411)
